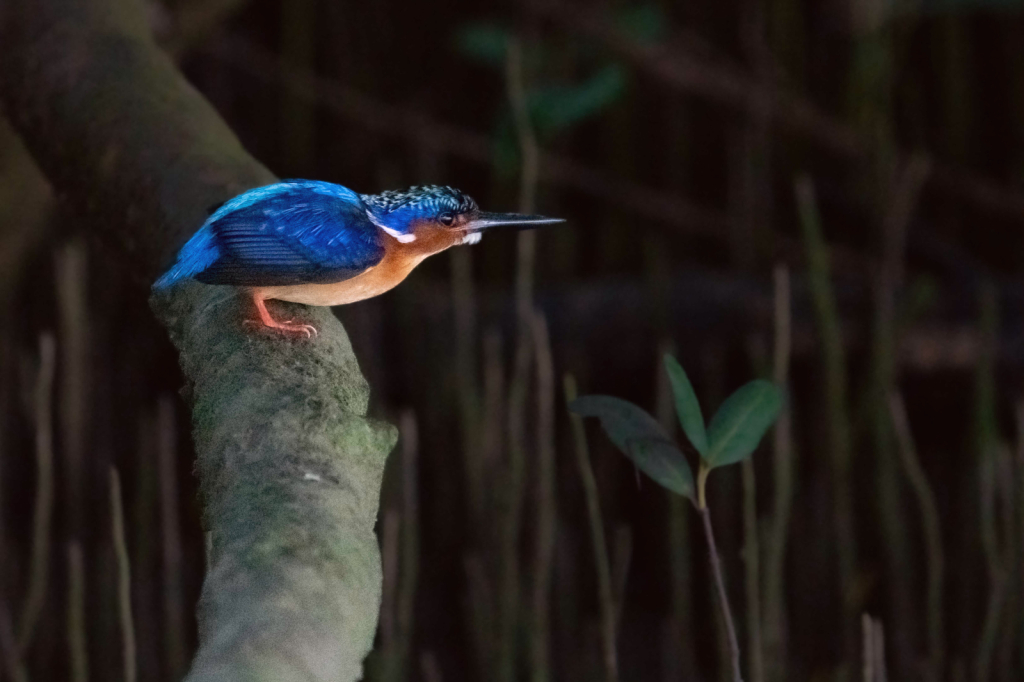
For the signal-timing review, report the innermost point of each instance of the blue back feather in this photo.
(292, 232)
(199, 253)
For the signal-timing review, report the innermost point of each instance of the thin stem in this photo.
(481, 588)
(511, 519)
(878, 637)
(752, 562)
(932, 533)
(716, 569)
(782, 472)
(622, 554)
(604, 574)
(868, 649)
(76, 615)
(903, 190)
(389, 563)
(471, 414)
(873, 649)
(1010, 534)
(124, 579)
(408, 564)
(170, 533)
(70, 270)
(430, 669)
(480, 597)
(529, 174)
(1019, 457)
(544, 534)
(39, 567)
(510, 513)
(702, 482)
(835, 389)
(987, 452)
(997, 573)
(13, 666)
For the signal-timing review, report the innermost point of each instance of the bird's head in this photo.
(433, 217)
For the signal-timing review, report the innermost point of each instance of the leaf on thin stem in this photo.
(641, 438)
(687, 407)
(741, 421)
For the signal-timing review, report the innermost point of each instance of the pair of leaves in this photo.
(732, 436)
(486, 41)
(736, 428)
(553, 108)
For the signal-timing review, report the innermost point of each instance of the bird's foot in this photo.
(287, 328)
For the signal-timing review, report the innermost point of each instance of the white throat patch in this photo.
(472, 238)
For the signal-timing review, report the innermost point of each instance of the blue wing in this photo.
(292, 232)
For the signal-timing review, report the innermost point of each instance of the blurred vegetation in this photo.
(827, 195)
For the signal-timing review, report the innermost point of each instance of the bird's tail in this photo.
(168, 278)
(199, 253)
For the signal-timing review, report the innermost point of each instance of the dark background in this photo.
(672, 138)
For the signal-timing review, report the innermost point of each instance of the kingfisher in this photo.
(319, 243)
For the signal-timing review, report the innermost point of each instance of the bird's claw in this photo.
(285, 327)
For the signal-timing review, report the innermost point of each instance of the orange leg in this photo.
(287, 327)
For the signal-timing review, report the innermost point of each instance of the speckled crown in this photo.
(425, 198)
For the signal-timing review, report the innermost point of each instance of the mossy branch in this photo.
(290, 467)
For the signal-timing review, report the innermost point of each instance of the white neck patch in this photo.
(472, 238)
(401, 237)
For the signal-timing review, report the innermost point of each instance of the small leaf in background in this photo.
(741, 421)
(643, 23)
(641, 438)
(485, 42)
(687, 406)
(920, 299)
(556, 108)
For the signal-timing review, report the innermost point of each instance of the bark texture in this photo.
(290, 466)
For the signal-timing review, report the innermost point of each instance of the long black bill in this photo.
(518, 221)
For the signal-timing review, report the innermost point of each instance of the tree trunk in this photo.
(290, 467)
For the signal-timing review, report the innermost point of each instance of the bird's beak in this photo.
(519, 221)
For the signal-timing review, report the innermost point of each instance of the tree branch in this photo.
(290, 467)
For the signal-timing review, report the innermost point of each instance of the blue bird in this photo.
(319, 243)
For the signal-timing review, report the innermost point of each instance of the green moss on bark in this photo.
(290, 470)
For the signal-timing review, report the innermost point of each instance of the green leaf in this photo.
(664, 463)
(687, 406)
(646, 24)
(484, 42)
(641, 438)
(556, 108)
(741, 421)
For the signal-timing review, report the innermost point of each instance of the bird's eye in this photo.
(446, 218)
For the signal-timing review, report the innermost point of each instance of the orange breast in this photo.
(399, 260)
(393, 268)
